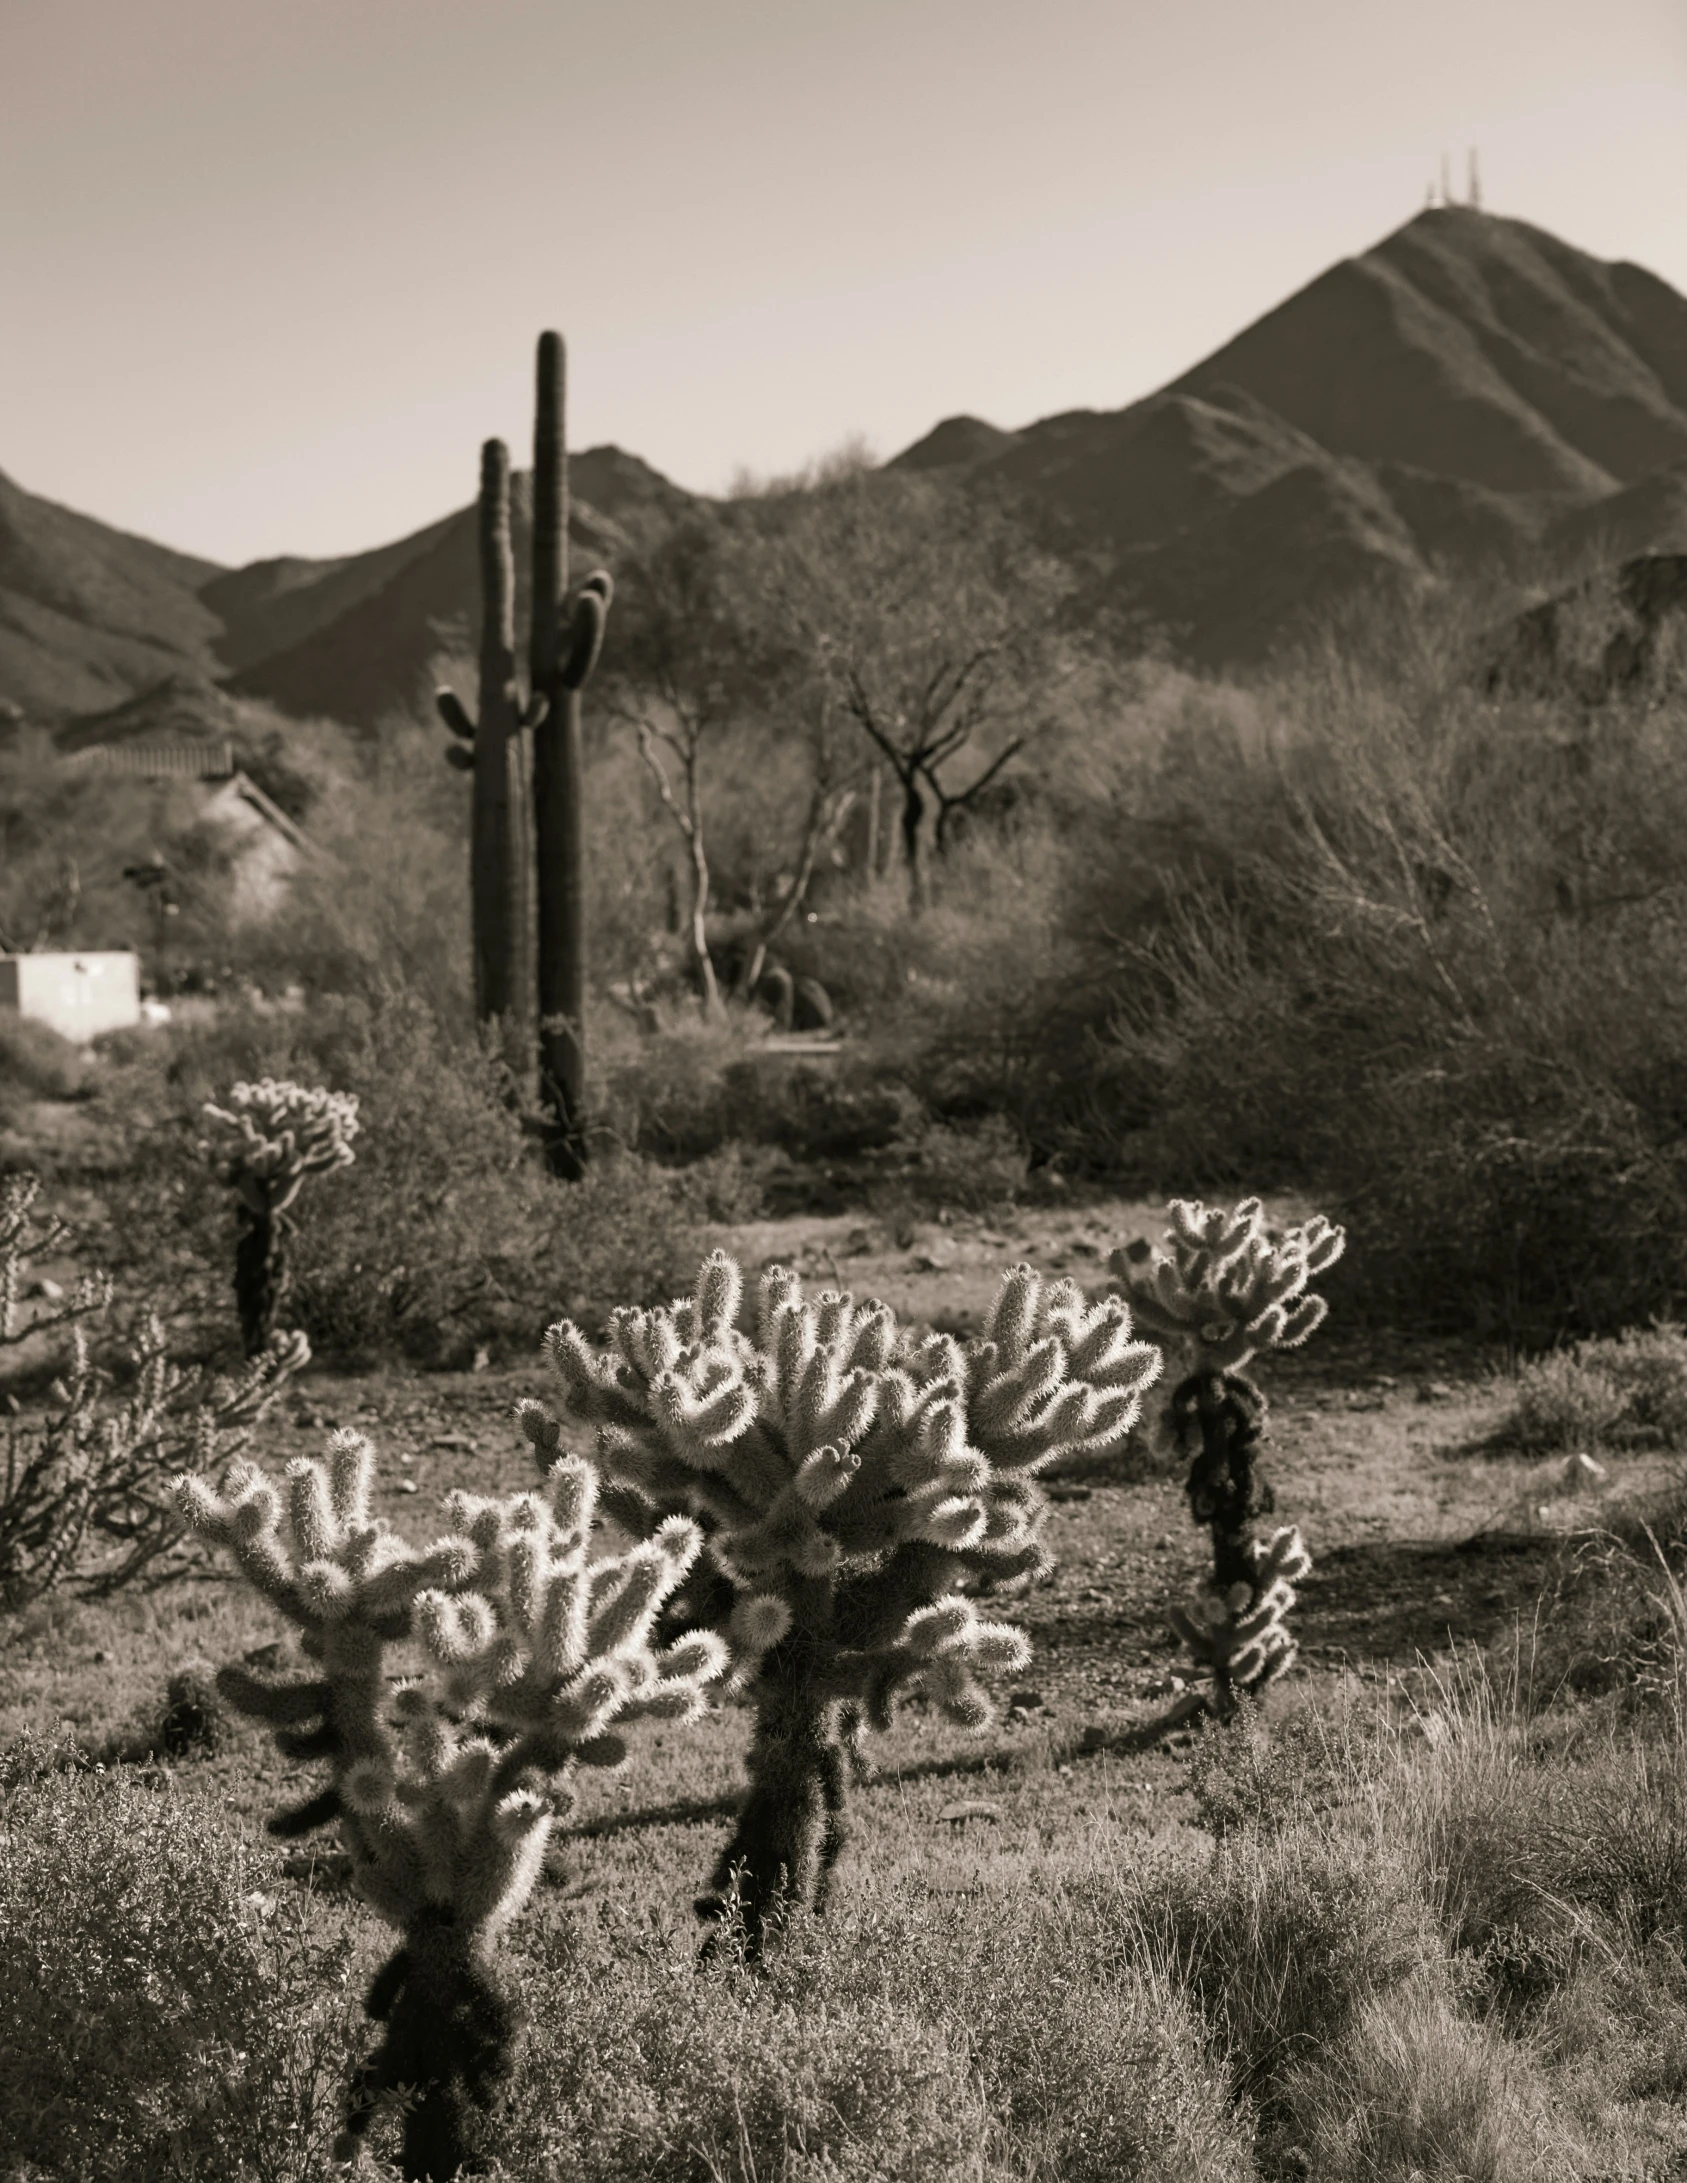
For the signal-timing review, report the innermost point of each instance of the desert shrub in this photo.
(161, 2016)
(922, 2037)
(972, 1168)
(85, 1467)
(37, 1062)
(1413, 946)
(1565, 1401)
(1092, 2060)
(1280, 1942)
(1253, 1775)
(1648, 1365)
(445, 1233)
(1416, 2090)
(647, 2074)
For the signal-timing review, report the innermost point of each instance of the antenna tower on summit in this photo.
(1446, 181)
(1473, 194)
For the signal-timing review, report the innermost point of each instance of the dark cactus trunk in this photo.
(791, 1831)
(450, 2042)
(495, 854)
(260, 1273)
(558, 815)
(1226, 1489)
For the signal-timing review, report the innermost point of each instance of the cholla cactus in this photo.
(285, 1134)
(855, 1484)
(532, 1656)
(1229, 1289)
(84, 1477)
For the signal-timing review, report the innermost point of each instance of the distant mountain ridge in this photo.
(1470, 388)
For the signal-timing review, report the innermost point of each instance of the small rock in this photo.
(405, 1485)
(1434, 1391)
(1443, 1599)
(460, 1441)
(1583, 1470)
(1022, 1701)
(974, 1808)
(1069, 1493)
(1095, 1737)
(50, 1292)
(925, 1263)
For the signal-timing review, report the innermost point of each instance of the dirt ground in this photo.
(1423, 1537)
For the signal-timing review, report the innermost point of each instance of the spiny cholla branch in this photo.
(855, 1483)
(84, 1480)
(284, 1134)
(532, 1656)
(1229, 1289)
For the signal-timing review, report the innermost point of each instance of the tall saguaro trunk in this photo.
(495, 850)
(498, 849)
(557, 784)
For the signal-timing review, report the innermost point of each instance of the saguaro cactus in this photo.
(565, 642)
(856, 1485)
(445, 1788)
(490, 747)
(1228, 1290)
(285, 1133)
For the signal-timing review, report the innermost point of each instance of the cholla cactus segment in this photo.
(1240, 1636)
(852, 1480)
(285, 1132)
(528, 1654)
(1226, 1284)
(1229, 1289)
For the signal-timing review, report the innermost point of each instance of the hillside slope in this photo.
(1471, 390)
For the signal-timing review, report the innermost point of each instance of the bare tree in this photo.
(933, 617)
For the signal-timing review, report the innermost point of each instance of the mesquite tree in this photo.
(855, 1484)
(933, 618)
(524, 1655)
(285, 1133)
(1229, 1290)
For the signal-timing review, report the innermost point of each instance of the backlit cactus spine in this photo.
(856, 1485)
(284, 1134)
(445, 1789)
(1229, 1290)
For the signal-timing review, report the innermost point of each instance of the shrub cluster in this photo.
(1633, 1384)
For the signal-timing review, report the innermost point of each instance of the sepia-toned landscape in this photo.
(841, 1325)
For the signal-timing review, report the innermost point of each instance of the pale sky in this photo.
(272, 269)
